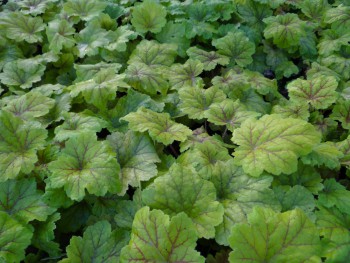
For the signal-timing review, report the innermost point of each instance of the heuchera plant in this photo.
(174, 131)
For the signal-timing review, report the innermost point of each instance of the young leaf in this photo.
(19, 143)
(136, 156)
(148, 16)
(84, 9)
(159, 126)
(76, 123)
(182, 190)
(98, 244)
(19, 73)
(273, 144)
(230, 113)
(196, 101)
(14, 239)
(286, 30)
(275, 237)
(237, 47)
(209, 59)
(85, 163)
(155, 238)
(319, 92)
(30, 105)
(22, 201)
(20, 27)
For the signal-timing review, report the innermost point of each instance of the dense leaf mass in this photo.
(174, 131)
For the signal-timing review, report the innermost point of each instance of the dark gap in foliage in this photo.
(103, 133)
(173, 149)
(270, 74)
(130, 192)
(208, 246)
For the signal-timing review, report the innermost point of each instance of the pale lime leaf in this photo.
(331, 41)
(14, 239)
(230, 113)
(159, 126)
(75, 123)
(182, 190)
(339, 17)
(119, 38)
(19, 143)
(148, 16)
(196, 101)
(21, 200)
(273, 144)
(237, 47)
(136, 156)
(325, 153)
(153, 54)
(292, 109)
(89, 71)
(60, 34)
(20, 27)
(19, 73)
(319, 92)
(85, 164)
(285, 30)
(30, 106)
(155, 238)
(186, 74)
(275, 237)
(341, 112)
(84, 9)
(209, 58)
(98, 244)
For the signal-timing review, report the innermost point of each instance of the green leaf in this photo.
(285, 30)
(334, 227)
(148, 16)
(314, 9)
(153, 54)
(21, 200)
(100, 89)
(182, 190)
(14, 239)
(85, 163)
(319, 92)
(19, 143)
(90, 39)
(237, 47)
(159, 126)
(292, 109)
(127, 104)
(60, 34)
(84, 9)
(136, 156)
(98, 244)
(331, 42)
(126, 210)
(20, 27)
(261, 84)
(335, 194)
(35, 7)
(30, 105)
(275, 237)
(9, 53)
(273, 144)
(44, 235)
(186, 74)
(19, 73)
(86, 72)
(209, 59)
(155, 238)
(338, 17)
(324, 154)
(146, 79)
(229, 113)
(341, 113)
(196, 101)
(76, 123)
(306, 176)
(119, 38)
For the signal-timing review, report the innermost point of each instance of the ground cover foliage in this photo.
(174, 131)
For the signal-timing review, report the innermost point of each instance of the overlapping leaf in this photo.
(209, 58)
(136, 156)
(273, 144)
(19, 143)
(155, 238)
(159, 126)
(60, 34)
(84, 9)
(275, 237)
(186, 75)
(85, 164)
